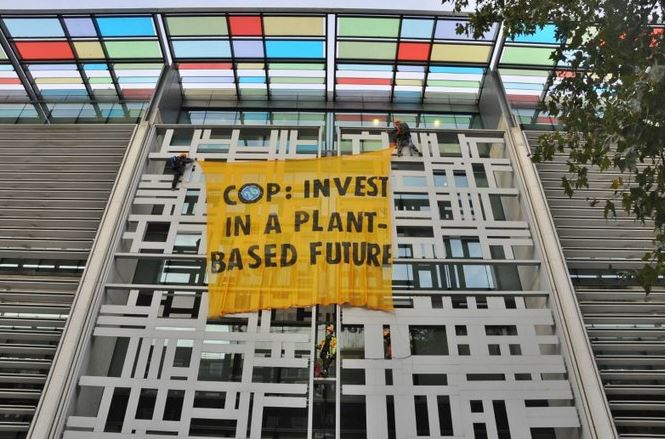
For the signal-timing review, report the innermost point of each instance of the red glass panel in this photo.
(413, 51)
(137, 93)
(245, 26)
(364, 81)
(34, 50)
(10, 81)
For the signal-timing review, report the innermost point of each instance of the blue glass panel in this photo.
(202, 49)
(34, 27)
(365, 67)
(445, 30)
(80, 27)
(248, 49)
(543, 36)
(95, 67)
(413, 28)
(126, 26)
(294, 49)
(252, 79)
(457, 70)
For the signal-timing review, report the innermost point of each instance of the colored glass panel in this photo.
(544, 35)
(88, 49)
(296, 66)
(248, 49)
(294, 26)
(367, 27)
(461, 53)
(366, 50)
(447, 30)
(245, 26)
(34, 27)
(80, 27)
(133, 49)
(295, 49)
(3, 55)
(202, 49)
(413, 51)
(416, 28)
(44, 50)
(194, 26)
(126, 26)
(527, 56)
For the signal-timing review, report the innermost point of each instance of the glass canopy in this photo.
(265, 56)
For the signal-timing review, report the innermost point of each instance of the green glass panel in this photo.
(137, 66)
(366, 50)
(295, 66)
(521, 72)
(183, 26)
(283, 80)
(3, 55)
(100, 81)
(368, 27)
(133, 49)
(537, 56)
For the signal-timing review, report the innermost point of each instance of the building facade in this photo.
(510, 319)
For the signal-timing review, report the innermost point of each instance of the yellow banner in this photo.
(296, 233)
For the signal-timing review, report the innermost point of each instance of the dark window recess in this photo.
(389, 377)
(118, 358)
(479, 430)
(353, 376)
(476, 406)
(445, 210)
(497, 208)
(353, 417)
(510, 302)
(485, 377)
(494, 349)
(437, 302)
(156, 232)
(501, 418)
(481, 302)
(212, 427)
(523, 377)
(428, 340)
(422, 416)
(543, 433)
(500, 330)
(173, 405)
(224, 367)
(497, 252)
(284, 422)
(414, 232)
(515, 349)
(430, 379)
(411, 202)
(146, 404)
(536, 403)
(445, 415)
(182, 137)
(183, 356)
(191, 197)
(280, 375)
(460, 330)
(117, 410)
(390, 414)
(463, 349)
(479, 175)
(407, 166)
(459, 302)
(209, 400)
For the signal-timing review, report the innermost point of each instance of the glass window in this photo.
(428, 340)
(411, 202)
(414, 181)
(460, 179)
(445, 210)
(440, 179)
(220, 366)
